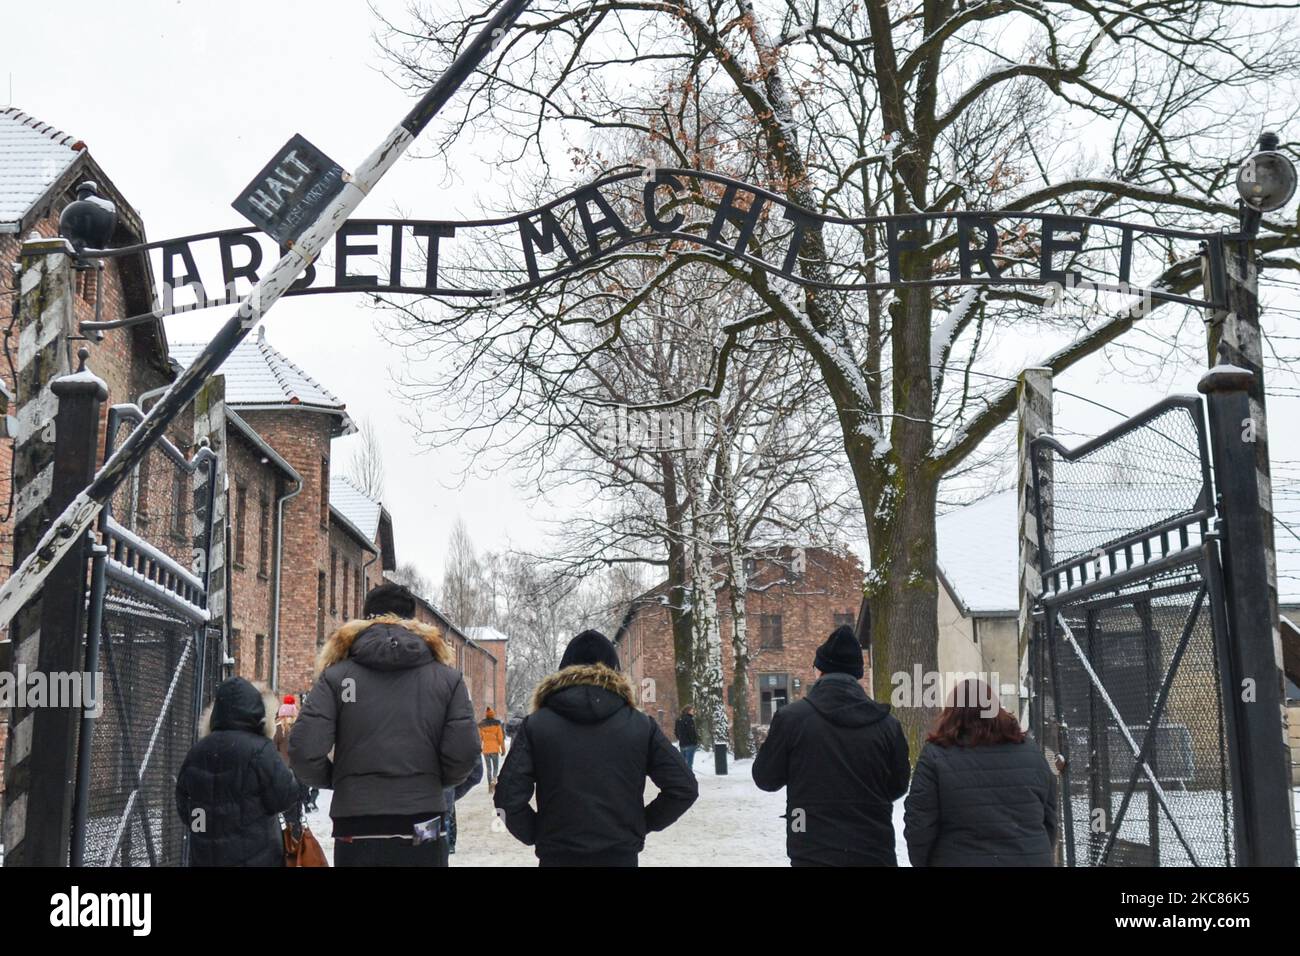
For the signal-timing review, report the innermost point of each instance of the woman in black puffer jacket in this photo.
(233, 784)
(981, 794)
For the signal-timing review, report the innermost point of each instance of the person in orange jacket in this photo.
(493, 736)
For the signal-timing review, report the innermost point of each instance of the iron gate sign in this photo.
(291, 191)
(570, 233)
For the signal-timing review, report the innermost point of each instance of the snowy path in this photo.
(732, 824)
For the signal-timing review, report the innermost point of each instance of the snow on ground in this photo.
(733, 823)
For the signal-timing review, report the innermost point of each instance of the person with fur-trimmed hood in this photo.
(233, 784)
(587, 750)
(398, 718)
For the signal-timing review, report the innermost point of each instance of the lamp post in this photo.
(1238, 420)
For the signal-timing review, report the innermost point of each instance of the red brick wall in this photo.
(348, 558)
(251, 592)
(473, 661)
(808, 607)
(496, 689)
(302, 438)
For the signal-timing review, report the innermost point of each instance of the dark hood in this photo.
(239, 706)
(390, 647)
(584, 693)
(841, 700)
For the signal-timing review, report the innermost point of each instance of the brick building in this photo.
(493, 642)
(304, 546)
(298, 546)
(483, 662)
(796, 597)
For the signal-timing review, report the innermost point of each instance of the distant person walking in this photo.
(586, 751)
(284, 718)
(493, 737)
(233, 785)
(387, 726)
(842, 758)
(687, 738)
(982, 794)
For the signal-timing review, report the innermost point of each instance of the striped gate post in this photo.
(1034, 418)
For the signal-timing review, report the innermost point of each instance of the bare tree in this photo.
(465, 596)
(366, 467)
(1088, 108)
(411, 577)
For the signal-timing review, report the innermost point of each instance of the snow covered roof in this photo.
(259, 376)
(33, 157)
(485, 633)
(979, 556)
(355, 505)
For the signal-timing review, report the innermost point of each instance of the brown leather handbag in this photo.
(302, 848)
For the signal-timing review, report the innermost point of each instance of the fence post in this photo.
(63, 624)
(1033, 418)
(1257, 697)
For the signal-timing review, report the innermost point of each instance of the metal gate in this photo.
(149, 636)
(1129, 663)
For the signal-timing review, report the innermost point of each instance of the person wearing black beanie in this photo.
(843, 760)
(590, 647)
(586, 751)
(841, 654)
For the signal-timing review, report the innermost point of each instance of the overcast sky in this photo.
(183, 102)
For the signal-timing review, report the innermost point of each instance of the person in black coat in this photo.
(687, 737)
(982, 794)
(586, 750)
(233, 784)
(843, 761)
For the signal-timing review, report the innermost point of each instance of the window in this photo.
(347, 576)
(180, 507)
(263, 535)
(320, 608)
(259, 657)
(774, 693)
(334, 573)
(236, 651)
(361, 594)
(847, 619)
(324, 492)
(142, 493)
(769, 630)
(241, 523)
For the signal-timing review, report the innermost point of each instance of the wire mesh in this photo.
(1127, 663)
(151, 696)
(1137, 479)
(159, 666)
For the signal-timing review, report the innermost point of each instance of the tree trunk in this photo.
(742, 741)
(902, 591)
(706, 658)
(678, 574)
(742, 744)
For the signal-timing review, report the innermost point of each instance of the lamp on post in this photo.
(1265, 181)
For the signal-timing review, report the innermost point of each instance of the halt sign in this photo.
(291, 190)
